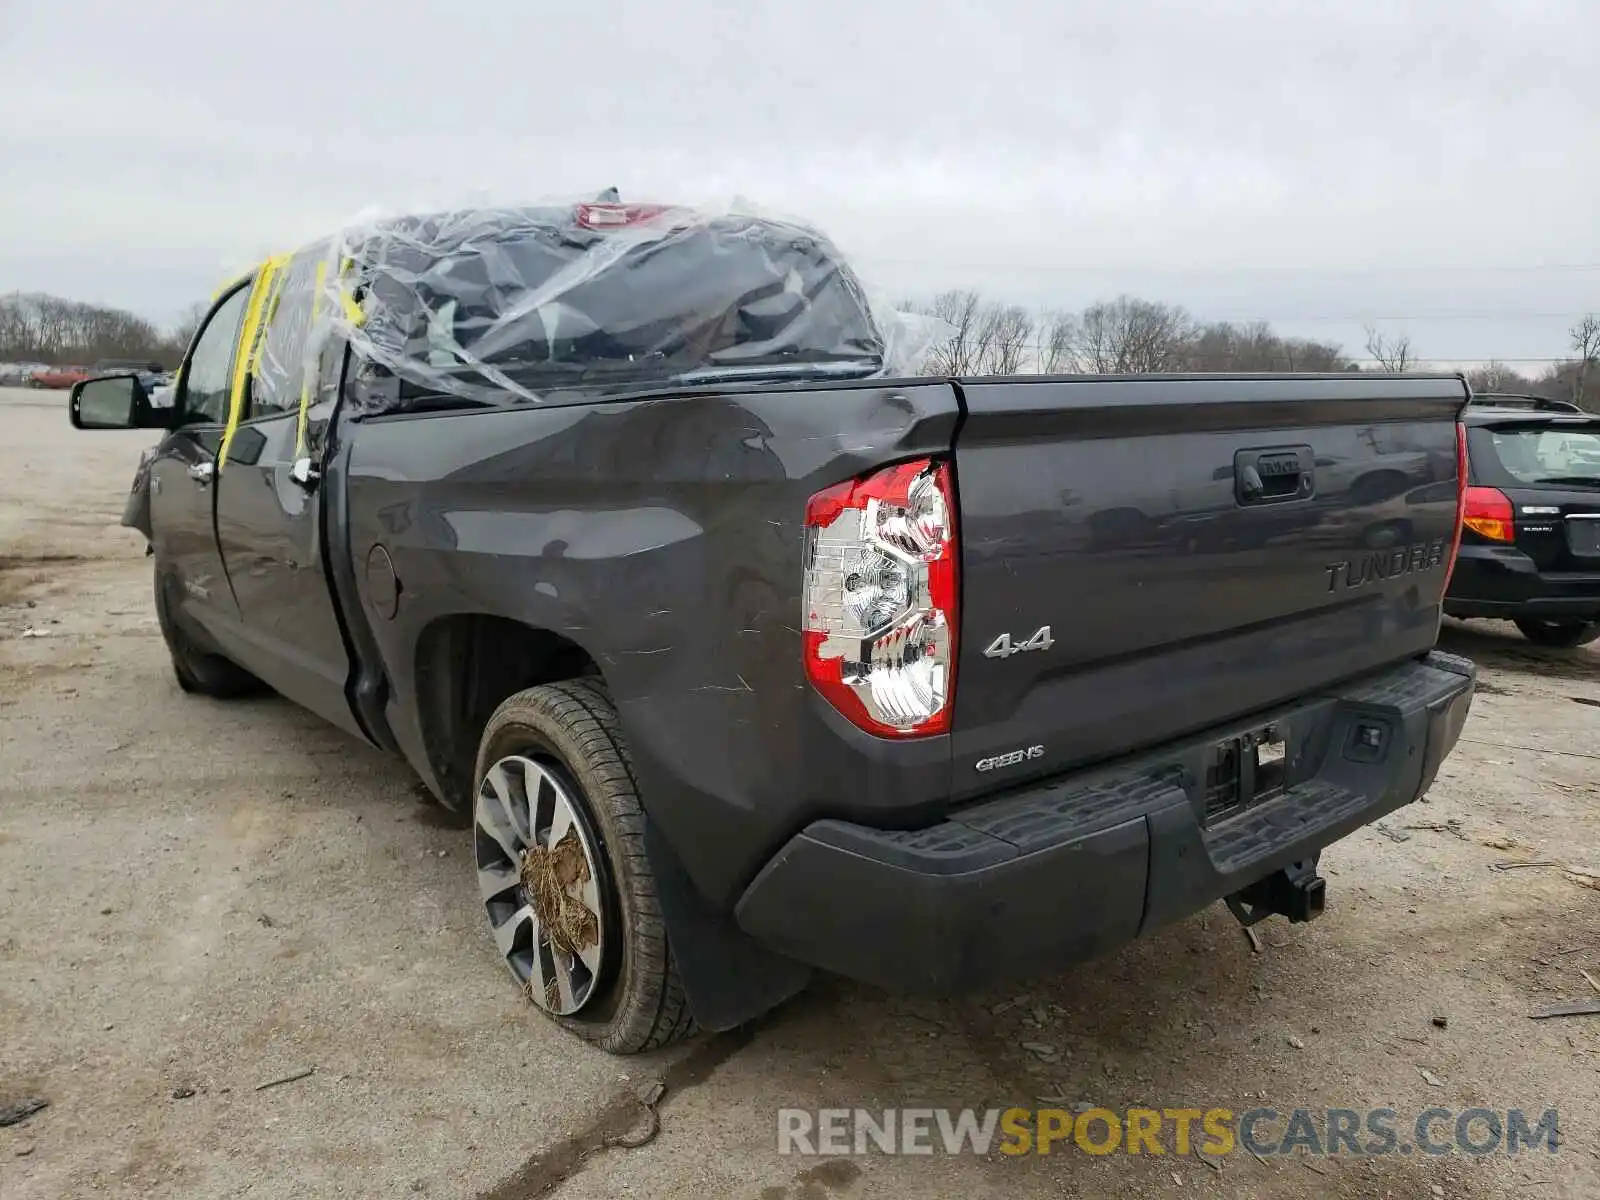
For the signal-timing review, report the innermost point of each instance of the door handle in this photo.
(202, 472)
(1273, 476)
(305, 472)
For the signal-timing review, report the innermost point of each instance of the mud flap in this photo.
(728, 977)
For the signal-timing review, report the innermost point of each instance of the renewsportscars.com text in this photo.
(1213, 1131)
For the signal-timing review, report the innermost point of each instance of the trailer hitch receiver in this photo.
(1296, 892)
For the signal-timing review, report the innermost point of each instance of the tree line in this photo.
(1130, 335)
(1576, 378)
(36, 327)
(1124, 336)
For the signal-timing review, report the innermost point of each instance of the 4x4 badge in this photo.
(1004, 647)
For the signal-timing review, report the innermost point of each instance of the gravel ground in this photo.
(197, 898)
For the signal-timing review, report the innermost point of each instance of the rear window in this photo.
(545, 306)
(1555, 454)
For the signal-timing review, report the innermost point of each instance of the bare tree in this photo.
(1059, 344)
(14, 331)
(1586, 344)
(1303, 354)
(1561, 382)
(984, 330)
(1121, 336)
(1005, 335)
(1127, 336)
(960, 308)
(183, 329)
(1496, 377)
(1391, 353)
(35, 327)
(1255, 347)
(1223, 346)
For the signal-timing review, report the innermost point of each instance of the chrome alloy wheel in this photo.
(539, 877)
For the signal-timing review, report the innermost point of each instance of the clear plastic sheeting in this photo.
(488, 305)
(281, 369)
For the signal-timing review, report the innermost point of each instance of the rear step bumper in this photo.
(1065, 869)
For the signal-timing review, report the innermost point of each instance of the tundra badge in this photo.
(1387, 564)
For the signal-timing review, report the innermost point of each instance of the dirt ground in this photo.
(197, 898)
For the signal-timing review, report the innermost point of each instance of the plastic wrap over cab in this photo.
(498, 304)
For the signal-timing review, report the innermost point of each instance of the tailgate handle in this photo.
(1274, 475)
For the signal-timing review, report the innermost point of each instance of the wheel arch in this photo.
(464, 665)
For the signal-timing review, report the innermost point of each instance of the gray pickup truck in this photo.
(750, 653)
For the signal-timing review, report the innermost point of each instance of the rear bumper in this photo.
(1502, 581)
(1065, 869)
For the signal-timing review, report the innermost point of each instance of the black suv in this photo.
(1530, 539)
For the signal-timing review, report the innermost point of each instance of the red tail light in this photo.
(880, 599)
(1488, 514)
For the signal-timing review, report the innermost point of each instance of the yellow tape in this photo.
(249, 347)
(272, 305)
(310, 373)
(269, 310)
(353, 312)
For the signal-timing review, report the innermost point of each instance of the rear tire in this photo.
(569, 731)
(198, 672)
(1561, 634)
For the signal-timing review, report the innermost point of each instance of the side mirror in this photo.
(114, 402)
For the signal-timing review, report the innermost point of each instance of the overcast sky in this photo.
(1430, 165)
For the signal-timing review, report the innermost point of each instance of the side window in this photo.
(209, 376)
(280, 368)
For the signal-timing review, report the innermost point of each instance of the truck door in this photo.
(269, 511)
(182, 491)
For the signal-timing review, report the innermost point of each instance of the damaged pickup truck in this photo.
(749, 652)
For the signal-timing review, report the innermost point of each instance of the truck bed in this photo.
(662, 535)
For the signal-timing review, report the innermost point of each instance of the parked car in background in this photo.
(152, 375)
(59, 377)
(1530, 545)
(13, 374)
(108, 366)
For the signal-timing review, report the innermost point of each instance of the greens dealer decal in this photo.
(1010, 759)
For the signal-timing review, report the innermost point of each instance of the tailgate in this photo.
(1142, 558)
